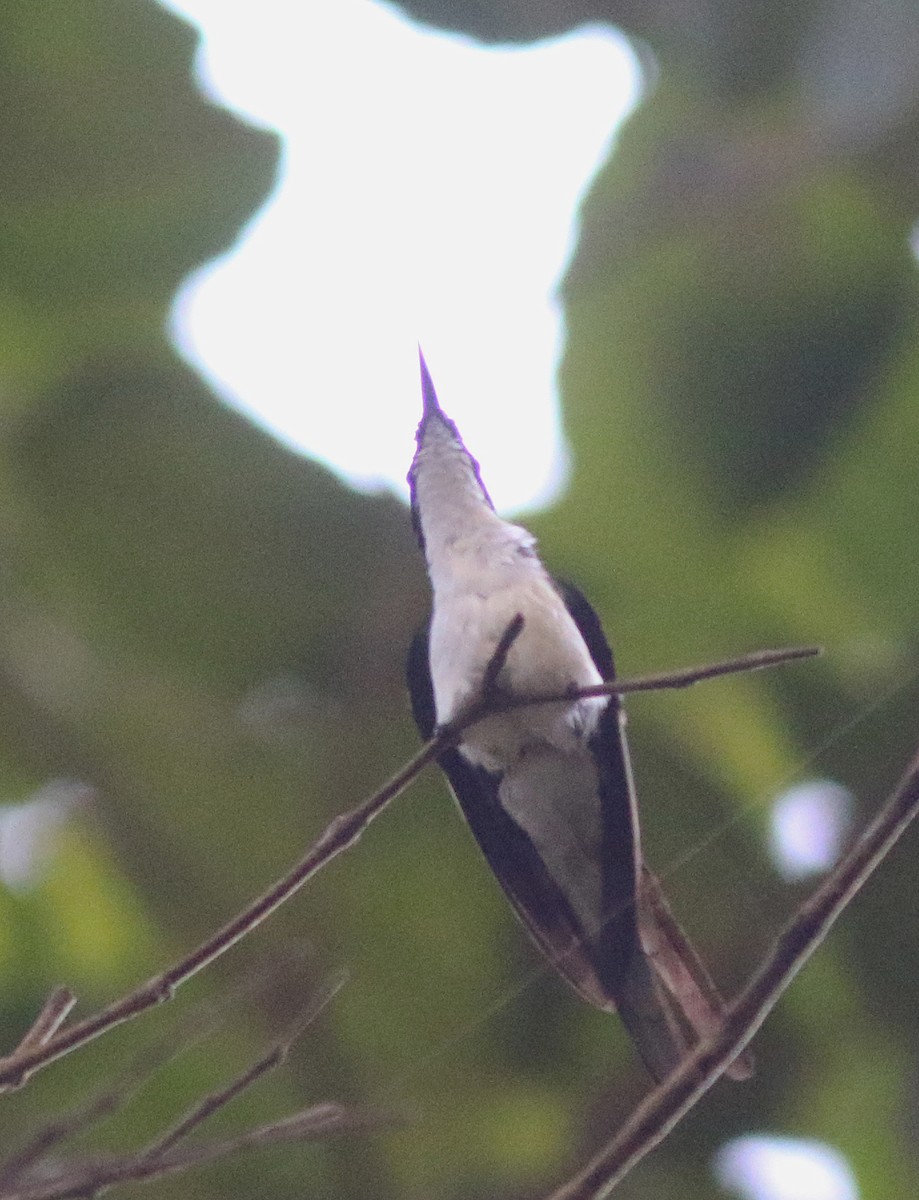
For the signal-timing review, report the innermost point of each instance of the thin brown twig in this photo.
(216, 1100)
(341, 833)
(91, 1178)
(684, 973)
(499, 657)
(670, 1102)
(54, 1012)
(338, 836)
(219, 1099)
(200, 1023)
(758, 660)
(93, 1112)
(53, 1133)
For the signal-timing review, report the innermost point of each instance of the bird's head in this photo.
(448, 495)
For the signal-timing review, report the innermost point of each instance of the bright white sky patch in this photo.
(809, 824)
(782, 1168)
(428, 193)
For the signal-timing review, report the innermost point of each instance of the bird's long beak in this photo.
(428, 395)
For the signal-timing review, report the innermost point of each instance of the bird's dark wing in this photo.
(620, 957)
(674, 958)
(510, 853)
(621, 855)
(607, 968)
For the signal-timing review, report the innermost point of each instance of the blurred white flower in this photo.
(810, 822)
(766, 1167)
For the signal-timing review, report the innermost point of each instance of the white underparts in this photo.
(484, 572)
(553, 798)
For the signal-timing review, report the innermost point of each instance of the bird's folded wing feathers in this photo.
(683, 972)
(606, 965)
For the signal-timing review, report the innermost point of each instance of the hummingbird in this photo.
(547, 790)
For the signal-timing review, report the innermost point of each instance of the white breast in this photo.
(474, 602)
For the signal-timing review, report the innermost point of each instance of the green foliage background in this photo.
(740, 389)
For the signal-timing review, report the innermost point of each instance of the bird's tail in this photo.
(646, 1014)
(682, 971)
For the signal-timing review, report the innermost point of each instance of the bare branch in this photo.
(339, 835)
(92, 1177)
(200, 1023)
(667, 1104)
(215, 1101)
(759, 660)
(683, 972)
(54, 1012)
(53, 1134)
(499, 658)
